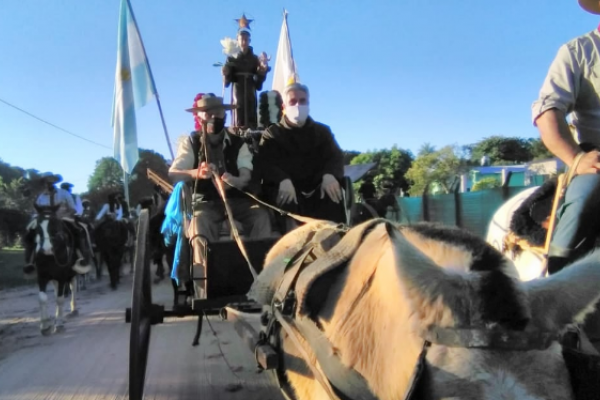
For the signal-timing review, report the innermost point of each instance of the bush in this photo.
(489, 182)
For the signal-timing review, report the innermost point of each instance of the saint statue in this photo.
(247, 72)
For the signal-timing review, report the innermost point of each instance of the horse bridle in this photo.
(40, 232)
(491, 338)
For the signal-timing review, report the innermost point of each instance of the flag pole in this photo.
(126, 188)
(162, 118)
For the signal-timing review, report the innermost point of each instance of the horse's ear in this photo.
(434, 292)
(567, 296)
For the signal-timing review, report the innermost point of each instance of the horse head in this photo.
(52, 237)
(488, 335)
(441, 300)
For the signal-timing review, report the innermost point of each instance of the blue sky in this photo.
(402, 72)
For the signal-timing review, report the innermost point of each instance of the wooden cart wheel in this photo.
(141, 311)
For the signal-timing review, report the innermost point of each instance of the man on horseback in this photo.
(53, 197)
(117, 209)
(572, 87)
(88, 216)
(76, 199)
(301, 161)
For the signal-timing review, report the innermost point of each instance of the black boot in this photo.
(85, 251)
(83, 266)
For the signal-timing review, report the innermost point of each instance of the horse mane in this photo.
(499, 290)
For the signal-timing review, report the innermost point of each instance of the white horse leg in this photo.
(73, 284)
(45, 322)
(59, 319)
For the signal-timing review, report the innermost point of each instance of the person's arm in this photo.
(558, 97)
(78, 205)
(333, 155)
(269, 154)
(103, 211)
(182, 168)
(67, 198)
(245, 167)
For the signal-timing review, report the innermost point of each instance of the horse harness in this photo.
(289, 314)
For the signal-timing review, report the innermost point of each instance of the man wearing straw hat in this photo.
(572, 86)
(231, 159)
(65, 209)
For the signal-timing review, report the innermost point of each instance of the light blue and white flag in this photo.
(134, 87)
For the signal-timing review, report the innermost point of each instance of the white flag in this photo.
(285, 67)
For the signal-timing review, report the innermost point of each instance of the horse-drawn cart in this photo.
(219, 287)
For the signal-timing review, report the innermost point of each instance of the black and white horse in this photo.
(56, 260)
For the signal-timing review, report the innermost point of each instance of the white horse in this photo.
(529, 264)
(432, 296)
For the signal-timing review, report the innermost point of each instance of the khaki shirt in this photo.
(184, 159)
(573, 86)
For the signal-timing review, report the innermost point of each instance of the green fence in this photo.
(471, 210)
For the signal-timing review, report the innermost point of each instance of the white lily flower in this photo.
(230, 47)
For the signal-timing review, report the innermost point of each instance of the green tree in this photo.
(426, 148)
(108, 178)
(140, 186)
(489, 182)
(441, 167)
(501, 150)
(8, 173)
(539, 151)
(107, 174)
(349, 155)
(392, 165)
(13, 197)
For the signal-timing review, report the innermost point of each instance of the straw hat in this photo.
(591, 6)
(210, 102)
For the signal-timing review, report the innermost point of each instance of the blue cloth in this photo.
(579, 218)
(172, 227)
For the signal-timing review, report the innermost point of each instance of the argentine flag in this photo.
(134, 87)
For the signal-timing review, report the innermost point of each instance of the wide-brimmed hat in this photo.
(85, 201)
(210, 102)
(66, 185)
(591, 6)
(51, 177)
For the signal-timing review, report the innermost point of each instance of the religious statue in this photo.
(247, 72)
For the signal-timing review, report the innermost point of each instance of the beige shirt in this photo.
(573, 86)
(185, 155)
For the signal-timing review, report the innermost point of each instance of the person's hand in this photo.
(203, 172)
(287, 193)
(331, 186)
(230, 180)
(589, 163)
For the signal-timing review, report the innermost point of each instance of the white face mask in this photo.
(297, 115)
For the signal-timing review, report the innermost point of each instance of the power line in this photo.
(54, 126)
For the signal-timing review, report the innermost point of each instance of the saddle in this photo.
(527, 226)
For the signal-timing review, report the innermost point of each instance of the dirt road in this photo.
(90, 359)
